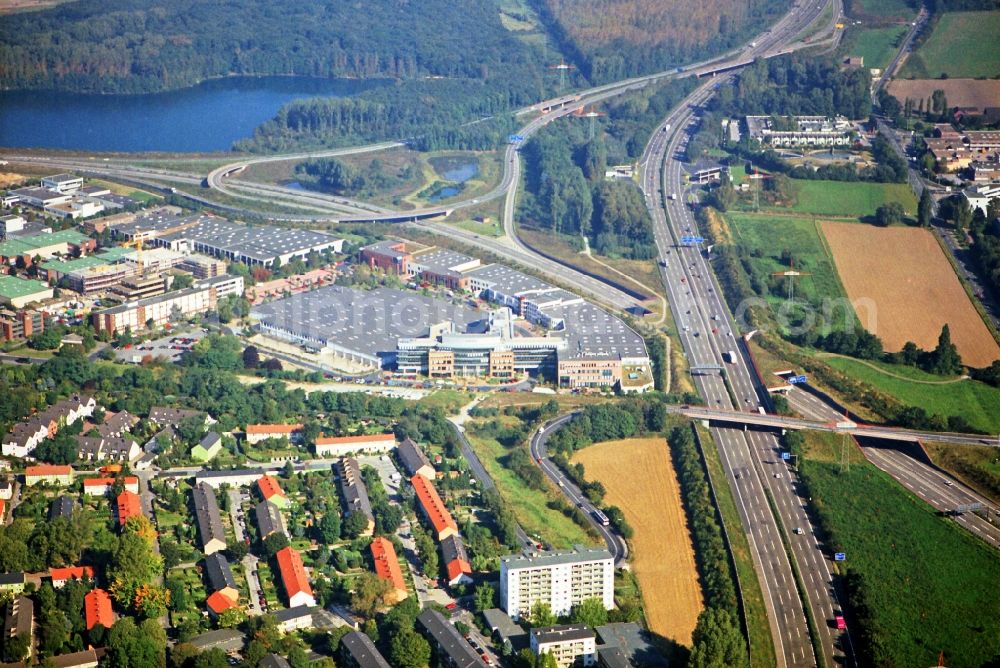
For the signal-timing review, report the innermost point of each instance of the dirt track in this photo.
(915, 291)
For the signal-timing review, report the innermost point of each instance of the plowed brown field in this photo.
(639, 478)
(915, 291)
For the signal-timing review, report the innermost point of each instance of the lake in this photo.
(206, 117)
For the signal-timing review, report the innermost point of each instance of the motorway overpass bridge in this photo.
(850, 427)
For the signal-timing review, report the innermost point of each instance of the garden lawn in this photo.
(975, 401)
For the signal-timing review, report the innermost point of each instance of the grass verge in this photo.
(973, 400)
(529, 505)
(758, 630)
(917, 583)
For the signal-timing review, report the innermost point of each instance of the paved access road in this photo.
(616, 544)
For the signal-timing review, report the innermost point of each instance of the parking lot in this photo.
(169, 347)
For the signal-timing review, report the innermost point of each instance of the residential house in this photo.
(220, 577)
(100, 448)
(387, 568)
(255, 433)
(433, 508)
(355, 493)
(60, 576)
(210, 528)
(116, 424)
(269, 520)
(48, 474)
(456, 560)
(274, 661)
(6, 489)
(231, 477)
(128, 505)
(87, 658)
(97, 609)
(358, 651)
(569, 643)
(560, 579)
(341, 446)
(296, 617)
(172, 417)
(20, 621)
(218, 603)
(208, 448)
(12, 583)
(102, 486)
(449, 646)
(294, 578)
(414, 460)
(270, 490)
(61, 506)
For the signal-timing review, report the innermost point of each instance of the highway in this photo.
(751, 459)
(615, 543)
(935, 487)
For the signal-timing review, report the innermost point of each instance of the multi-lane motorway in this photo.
(771, 509)
(978, 515)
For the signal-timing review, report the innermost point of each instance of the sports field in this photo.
(640, 479)
(975, 401)
(914, 291)
(963, 44)
(850, 199)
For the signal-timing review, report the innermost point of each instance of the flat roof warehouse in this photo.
(358, 322)
(259, 244)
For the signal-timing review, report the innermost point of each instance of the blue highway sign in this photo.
(840, 556)
(786, 456)
(797, 380)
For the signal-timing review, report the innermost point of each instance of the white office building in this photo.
(561, 579)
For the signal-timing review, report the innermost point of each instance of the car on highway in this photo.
(799, 531)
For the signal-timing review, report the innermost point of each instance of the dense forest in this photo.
(796, 85)
(429, 115)
(615, 39)
(140, 46)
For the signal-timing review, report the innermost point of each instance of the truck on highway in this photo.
(601, 518)
(730, 356)
(673, 196)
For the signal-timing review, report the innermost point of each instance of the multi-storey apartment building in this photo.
(561, 579)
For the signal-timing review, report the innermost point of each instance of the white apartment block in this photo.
(569, 644)
(561, 579)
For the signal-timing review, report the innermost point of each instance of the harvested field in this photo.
(979, 93)
(640, 479)
(913, 286)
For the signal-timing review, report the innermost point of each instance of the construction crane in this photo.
(563, 67)
(592, 115)
(791, 274)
